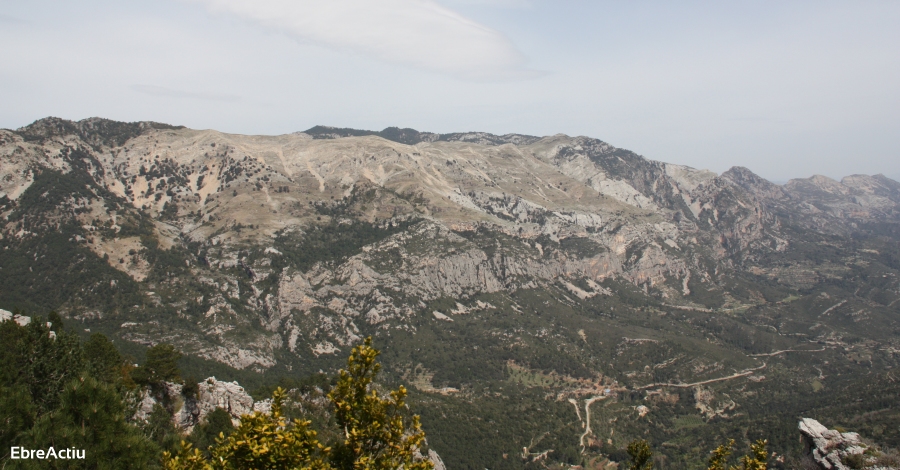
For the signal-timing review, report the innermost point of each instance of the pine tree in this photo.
(161, 366)
(48, 399)
(160, 428)
(17, 415)
(42, 363)
(375, 436)
(91, 416)
(103, 359)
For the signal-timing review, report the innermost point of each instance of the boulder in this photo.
(829, 449)
(20, 319)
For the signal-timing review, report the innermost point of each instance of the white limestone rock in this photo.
(229, 396)
(189, 412)
(20, 319)
(828, 449)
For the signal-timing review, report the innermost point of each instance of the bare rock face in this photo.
(149, 400)
(229, 396)
(436, 460)
(433, 457)
(229, 208)
(754, 184)
(829, 449)
(20, 319)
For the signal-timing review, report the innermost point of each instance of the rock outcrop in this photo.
(829, 449)
(229, 396)
(20, 319)
(191, 411)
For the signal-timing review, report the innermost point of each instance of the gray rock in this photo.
(828, 449)
(436, 460)
(229, 396)
(20, 319)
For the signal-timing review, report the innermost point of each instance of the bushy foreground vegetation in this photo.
(374, 433)
(641, 456)
(57, 391)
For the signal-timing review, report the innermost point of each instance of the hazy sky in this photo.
(786, 88)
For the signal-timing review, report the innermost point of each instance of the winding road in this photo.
(587, 415)
(704, 382)
(785, 351)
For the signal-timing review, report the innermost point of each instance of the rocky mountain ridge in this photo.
(544, 261)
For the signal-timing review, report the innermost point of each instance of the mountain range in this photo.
(546, 299)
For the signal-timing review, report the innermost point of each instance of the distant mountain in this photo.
(412, 136)
(556, 294)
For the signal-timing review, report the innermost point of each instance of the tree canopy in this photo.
(58, 392)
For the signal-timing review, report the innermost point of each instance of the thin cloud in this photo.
(161, 91)
(750, 119)
(10, 19)
(415, 33)
(493, 3)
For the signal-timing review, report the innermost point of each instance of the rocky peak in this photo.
(817, 184)
(753, 183)
(484, 138)
(878, 185)
(412, 137)
(94, 131)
